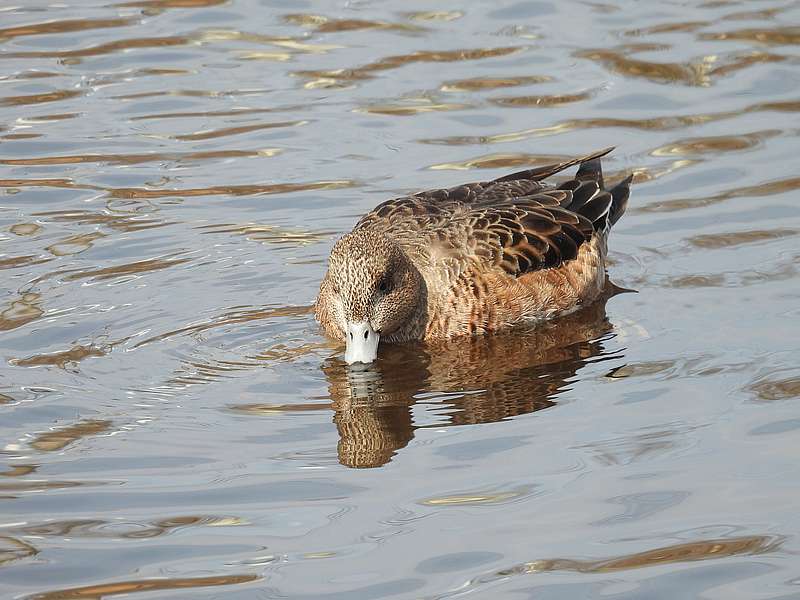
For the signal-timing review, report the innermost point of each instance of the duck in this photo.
(475, 259)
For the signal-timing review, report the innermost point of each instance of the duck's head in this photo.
(375, 290)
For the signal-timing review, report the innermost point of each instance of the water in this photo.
(173, 176)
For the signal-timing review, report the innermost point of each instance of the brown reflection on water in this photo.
(695, 73)
(715, 144)
(331, 78)
(715, 241)
(482, 380)
(749, 15)
(435, 15)
(767, 188)
(234, 112)
(268, 234)
(324, 24)
(687, 26)
(116, 221)
(119, 529)
(643, 174)
(700, 72)
(21, 136)
(296, 45)
(479, 498)
(101, 49)
(337, 77)
(742, 61)
(664, 123)
(12, 549)
(689, 552)
(775, 388)
(58, 439)
(52, 183)
(12, 262)
(655, 123)
(61, 359)
(679, 553)
(191, 93)
(103, 590)
(30, 75)
(777, 36)
(411, 107)
(217, 133)
(41, 486)
(217, 190)
(39, 98)
(23, 229)
(162, 4)
(63, 27)
(21, 311)
(74, 244)
(543, 101)
(47, 118)
(233, 190)
(277, 409)
(135, 159)
(123, 270)
(444, 56)
(477, 84)
(19, 470)
(783, 270)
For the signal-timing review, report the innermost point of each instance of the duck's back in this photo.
(514, 249)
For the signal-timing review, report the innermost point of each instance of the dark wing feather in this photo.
(526, 236)
(589, 200)
(620, 193)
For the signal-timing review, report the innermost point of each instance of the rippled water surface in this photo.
(173, 174)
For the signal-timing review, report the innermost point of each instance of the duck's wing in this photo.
(438, 205)
(527, 235)
(516, 223)
(516, 235)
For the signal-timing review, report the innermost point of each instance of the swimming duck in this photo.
(473, 259)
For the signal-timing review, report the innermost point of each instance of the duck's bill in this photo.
(362, 343)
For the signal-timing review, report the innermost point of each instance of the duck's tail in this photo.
(589, 196)
(605, 206)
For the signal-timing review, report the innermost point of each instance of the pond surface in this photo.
(173, 174)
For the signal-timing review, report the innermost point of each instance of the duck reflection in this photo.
(483, 379)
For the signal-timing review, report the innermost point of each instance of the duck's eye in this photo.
(385, 285)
